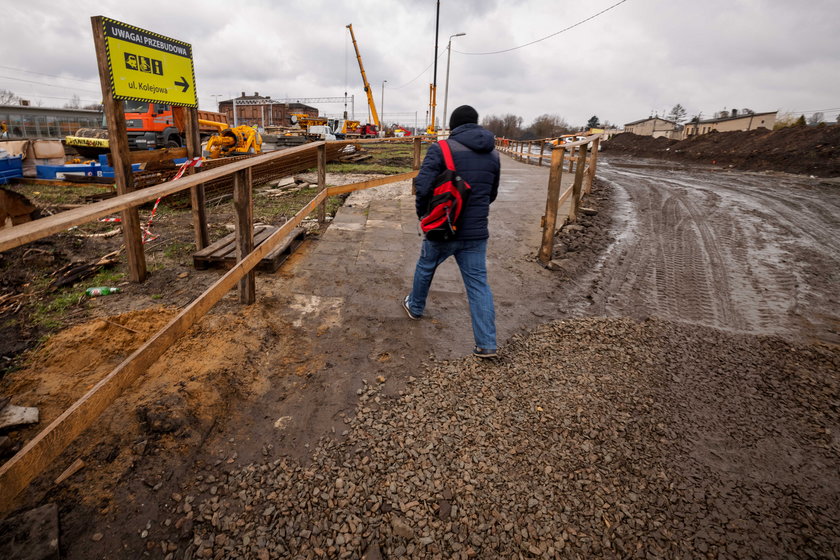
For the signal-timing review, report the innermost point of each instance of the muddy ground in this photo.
(656, 247)
(803, 150)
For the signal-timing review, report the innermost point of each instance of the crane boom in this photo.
(364, 78)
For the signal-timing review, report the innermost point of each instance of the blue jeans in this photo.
(471, 256)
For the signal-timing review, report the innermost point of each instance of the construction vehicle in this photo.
(148, 126)
(305, 121)
(367, 130)
(228, 141)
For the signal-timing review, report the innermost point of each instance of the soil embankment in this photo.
(805, 150)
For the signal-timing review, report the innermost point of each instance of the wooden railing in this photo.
(43, 449)
(582, 162)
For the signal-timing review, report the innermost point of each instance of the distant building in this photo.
(746, 121)
(262, 110)
(652, 126)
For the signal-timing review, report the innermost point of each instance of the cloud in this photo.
(642, 56)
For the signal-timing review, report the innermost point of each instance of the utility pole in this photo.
(445, 124)
(433, 96)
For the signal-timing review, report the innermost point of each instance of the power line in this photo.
(43, 83)
(548, 36)
(48, 75)
(420, 74)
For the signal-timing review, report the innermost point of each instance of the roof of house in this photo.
(650, 119)
(741, 116)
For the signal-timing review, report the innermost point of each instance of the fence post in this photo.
(197, 201)
(415, 164)
(542, 149)
(322, 180)
(593, 163)
(576, 188)
(571, 161)
(244, 205)
(551, 203)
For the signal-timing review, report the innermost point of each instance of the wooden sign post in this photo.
(141, 65)
(118, 142)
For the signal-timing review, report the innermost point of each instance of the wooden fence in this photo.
(582, 162)
(42, 450)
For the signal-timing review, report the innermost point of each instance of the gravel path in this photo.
(589, 438)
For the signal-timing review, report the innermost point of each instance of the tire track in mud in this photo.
(746, 252)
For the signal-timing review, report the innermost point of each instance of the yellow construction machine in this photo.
(229, 141)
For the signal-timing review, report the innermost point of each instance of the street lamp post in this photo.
(382, 107)
(446, 89)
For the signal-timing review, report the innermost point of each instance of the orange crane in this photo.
(368, 91)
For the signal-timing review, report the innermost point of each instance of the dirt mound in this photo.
(166, 413)
(806, 150)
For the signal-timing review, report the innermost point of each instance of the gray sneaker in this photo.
(484, 353)
(408, 310)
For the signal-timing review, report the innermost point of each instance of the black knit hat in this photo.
(462, 115)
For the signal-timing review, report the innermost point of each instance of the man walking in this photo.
(477, 161)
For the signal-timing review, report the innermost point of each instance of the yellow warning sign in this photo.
(145, 66)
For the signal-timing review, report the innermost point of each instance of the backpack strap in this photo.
(447, 155)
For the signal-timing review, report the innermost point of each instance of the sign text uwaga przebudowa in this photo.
(146, 66)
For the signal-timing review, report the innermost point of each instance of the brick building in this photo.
(262, 110)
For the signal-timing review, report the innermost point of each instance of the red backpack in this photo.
(449, 197)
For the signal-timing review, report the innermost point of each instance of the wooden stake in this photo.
(593, 164)
(118, 142)
(197, 200)
(244, 204)
(70, 471)
(576, 188)
(415, 164)
(322, 181)
(551, 205)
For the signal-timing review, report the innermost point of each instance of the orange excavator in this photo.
(229, 141)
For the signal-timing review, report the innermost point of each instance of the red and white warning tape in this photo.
(147, 229)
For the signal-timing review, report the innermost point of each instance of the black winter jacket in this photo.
(479, 166)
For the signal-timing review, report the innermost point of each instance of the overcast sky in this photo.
(637, 58)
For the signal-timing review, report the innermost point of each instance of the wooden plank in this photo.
(38, 229)
(244, 204)
(272, 261)
(555, 175)
(576, 187)
(12, 416)
(41, 451)
(222, 253)
(153, 156)
(332, 191)
(54, 183)
(118, 142)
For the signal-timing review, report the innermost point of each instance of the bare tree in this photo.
(507, 126)
(816, 118)
(677, 114)
(8, 97)
(74, 103)
(548, 126)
